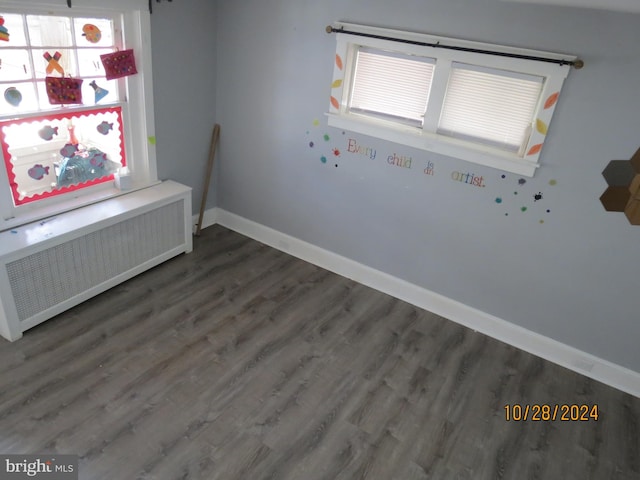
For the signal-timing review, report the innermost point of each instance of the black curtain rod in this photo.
(578, 64)
(150, 3)
(150, 7)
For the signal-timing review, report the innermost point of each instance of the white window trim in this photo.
(427, 138)
(137, 113)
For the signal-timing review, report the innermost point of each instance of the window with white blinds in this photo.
(461, 102)
(391, 85)
(490, 106)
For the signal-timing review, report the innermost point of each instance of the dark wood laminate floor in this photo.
(241, 362)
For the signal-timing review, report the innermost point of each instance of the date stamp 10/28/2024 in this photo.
(550, 413)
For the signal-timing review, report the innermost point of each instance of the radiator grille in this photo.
(49, 277)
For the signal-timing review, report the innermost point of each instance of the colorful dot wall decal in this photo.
(532, 206)
(317, 140)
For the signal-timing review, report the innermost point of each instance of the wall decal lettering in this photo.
(353, 147)
(468, 178)
(516, 197)
(399, 161)
(429, 169)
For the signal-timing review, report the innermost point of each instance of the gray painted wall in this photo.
(573, 278)
(183, 35)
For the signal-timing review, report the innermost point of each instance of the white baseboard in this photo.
(209, 218)
(564, 355)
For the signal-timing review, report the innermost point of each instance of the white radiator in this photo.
(50, 266)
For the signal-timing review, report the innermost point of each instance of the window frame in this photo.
(524, 162)
(136, 91)
(398, 57)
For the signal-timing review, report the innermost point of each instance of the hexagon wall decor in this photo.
(623, 191)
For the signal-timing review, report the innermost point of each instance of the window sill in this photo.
(416, 138)
(82, 199)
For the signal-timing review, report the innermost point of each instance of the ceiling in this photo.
(616, 5)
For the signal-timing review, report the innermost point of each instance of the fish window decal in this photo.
(53, 154)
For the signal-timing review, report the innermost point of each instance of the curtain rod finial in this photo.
(578, 64)
(329, 29)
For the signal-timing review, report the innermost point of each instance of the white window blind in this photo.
(391, 85)
(490, 106)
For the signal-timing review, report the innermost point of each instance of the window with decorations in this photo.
(75, 109)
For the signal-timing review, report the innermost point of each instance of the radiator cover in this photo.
(56, 264)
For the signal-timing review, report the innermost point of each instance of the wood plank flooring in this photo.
(241, 362)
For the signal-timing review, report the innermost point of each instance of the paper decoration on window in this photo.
(73, 140)
(4, 33)
(13, 96)
(337, 83)
(84, 166)
(100, 92)
(47, 132)
(119, 64)
(38, 172)
(551, 101)
(104, 128)
(91, 33)
(74, 157)
(53, 63)
(69, 150)
(535, 149)
(64, 91)
(542, 126)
